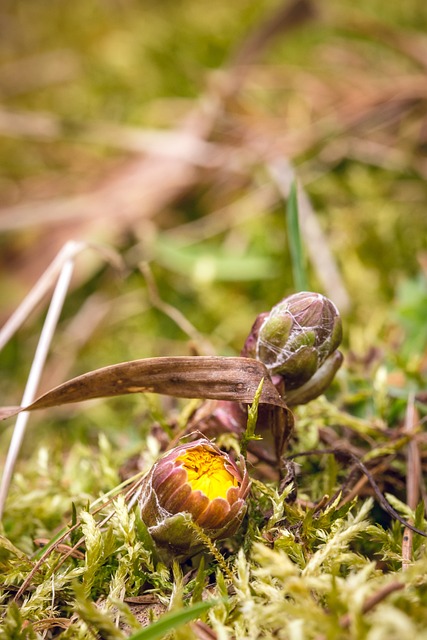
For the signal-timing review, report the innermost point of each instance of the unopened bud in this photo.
(193, 484)
(298, 340)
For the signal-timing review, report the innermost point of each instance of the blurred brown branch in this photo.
(145, 185)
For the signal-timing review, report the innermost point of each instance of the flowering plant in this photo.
(193, 488)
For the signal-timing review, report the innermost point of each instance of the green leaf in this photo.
(252, 421)
(205, 265)
(299, 268)
(171, 621)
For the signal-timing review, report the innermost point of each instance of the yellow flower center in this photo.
(206, 472)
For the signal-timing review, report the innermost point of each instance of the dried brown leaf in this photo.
(211, 377)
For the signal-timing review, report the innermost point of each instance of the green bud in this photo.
(298, 340)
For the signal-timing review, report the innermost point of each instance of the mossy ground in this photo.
(343, 97)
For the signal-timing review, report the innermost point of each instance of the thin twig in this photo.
(413, 477)
(172, 312)
(173, 144)
(374, 599)
(384, 504)
(357, 488)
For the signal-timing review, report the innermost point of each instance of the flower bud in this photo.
(298, 340)
(194, 483)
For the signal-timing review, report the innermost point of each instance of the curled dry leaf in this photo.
(210, 377)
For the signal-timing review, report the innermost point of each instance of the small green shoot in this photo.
(251, 422)
(299, 268)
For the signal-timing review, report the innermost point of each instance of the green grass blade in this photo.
(299, 268)
(171, 621)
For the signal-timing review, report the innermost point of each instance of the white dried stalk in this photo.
(69, 251)
(42, 286)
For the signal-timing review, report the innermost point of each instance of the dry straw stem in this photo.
(68, 252)
(413, 478)
(170, 144)
(61, 268)
(36, 370)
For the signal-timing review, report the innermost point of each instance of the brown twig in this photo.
(363, 481)
(146, 184)
(374, 599)
(413, 477)
(61, 548)
(170, 144)
(382, 501)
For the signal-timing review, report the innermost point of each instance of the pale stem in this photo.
(68, 251)
(43, 345)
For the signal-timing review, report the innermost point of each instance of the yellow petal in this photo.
(206, 472)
